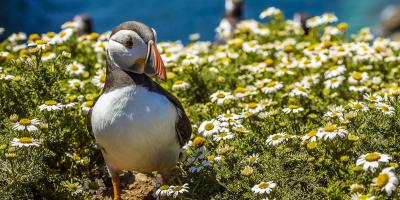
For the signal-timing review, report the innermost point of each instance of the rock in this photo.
(139, 187)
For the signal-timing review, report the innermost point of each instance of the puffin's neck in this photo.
(118, 78)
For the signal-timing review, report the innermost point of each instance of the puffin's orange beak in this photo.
(159, 66)
(154, 63)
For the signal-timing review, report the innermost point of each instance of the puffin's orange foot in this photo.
(115, 182)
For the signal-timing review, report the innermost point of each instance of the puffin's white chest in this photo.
(136, 128)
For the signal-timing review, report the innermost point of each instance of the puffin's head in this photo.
(132, 47)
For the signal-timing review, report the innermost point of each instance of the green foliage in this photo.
(276, 79)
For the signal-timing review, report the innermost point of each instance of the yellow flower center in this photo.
(77, 84)
(50, 34)
(263, 185)
(372, 98)
(50, 103)
(371, 157)
(74, 67)
(177, 188)
(72, 186)
(103, 78)
(221, 95)
(223, 134)
(239, 90)
(89, 103)
(164, 187)
(330, 128)
(312, 133)
(62, 34)
(271, 84)
(209, 126)
(276, 137)
(179, 82)
(198, 141)
(25, 122)
(25, 140)
(384, 108)
(357, 75)
(253, 159)
(252, 105)
(302, 89)
(382, 180)
(38, 42)
(293, 107)
(358, 106)
(228, 115)
(333, 68)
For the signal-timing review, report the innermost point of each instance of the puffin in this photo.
(138, 125)
(233, 14)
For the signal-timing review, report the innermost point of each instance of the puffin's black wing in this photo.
(182, 126)
(89, 121)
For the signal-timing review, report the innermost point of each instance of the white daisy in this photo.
(329, 18)
(271, 11)
(179, 189)
(334, 82)
(385, 108)
(278, 138)
(208, 128)
(16, 37)
(373, 97)
(253, 107)
(50, 105)
(26, 124)
(48, 55)
(299, 91)
(24, 142)
(253, 158)
(86, 106)
(331, 131)
(311, 135)
(386, 181)
(358, 77)
(293, 109)
(64, 35)
(334, 112)
(163, 191)
(370, 161)
(358, 196)
(263, 187)
(6, 76)
(358, 106)
(76, 83)
(271, 87)
(224, 134)
(75, 68)
(314, 22)
(229, 117)
(100, 79)
(221, 97)
(180, 85)
(358, 88)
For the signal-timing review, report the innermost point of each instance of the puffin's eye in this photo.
(129, 43)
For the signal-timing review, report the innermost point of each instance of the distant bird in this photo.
(138, 125)
(232, 16)
(84, 24)
(302, 18)
(390, 22)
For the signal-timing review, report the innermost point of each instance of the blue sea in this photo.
(173, 19)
